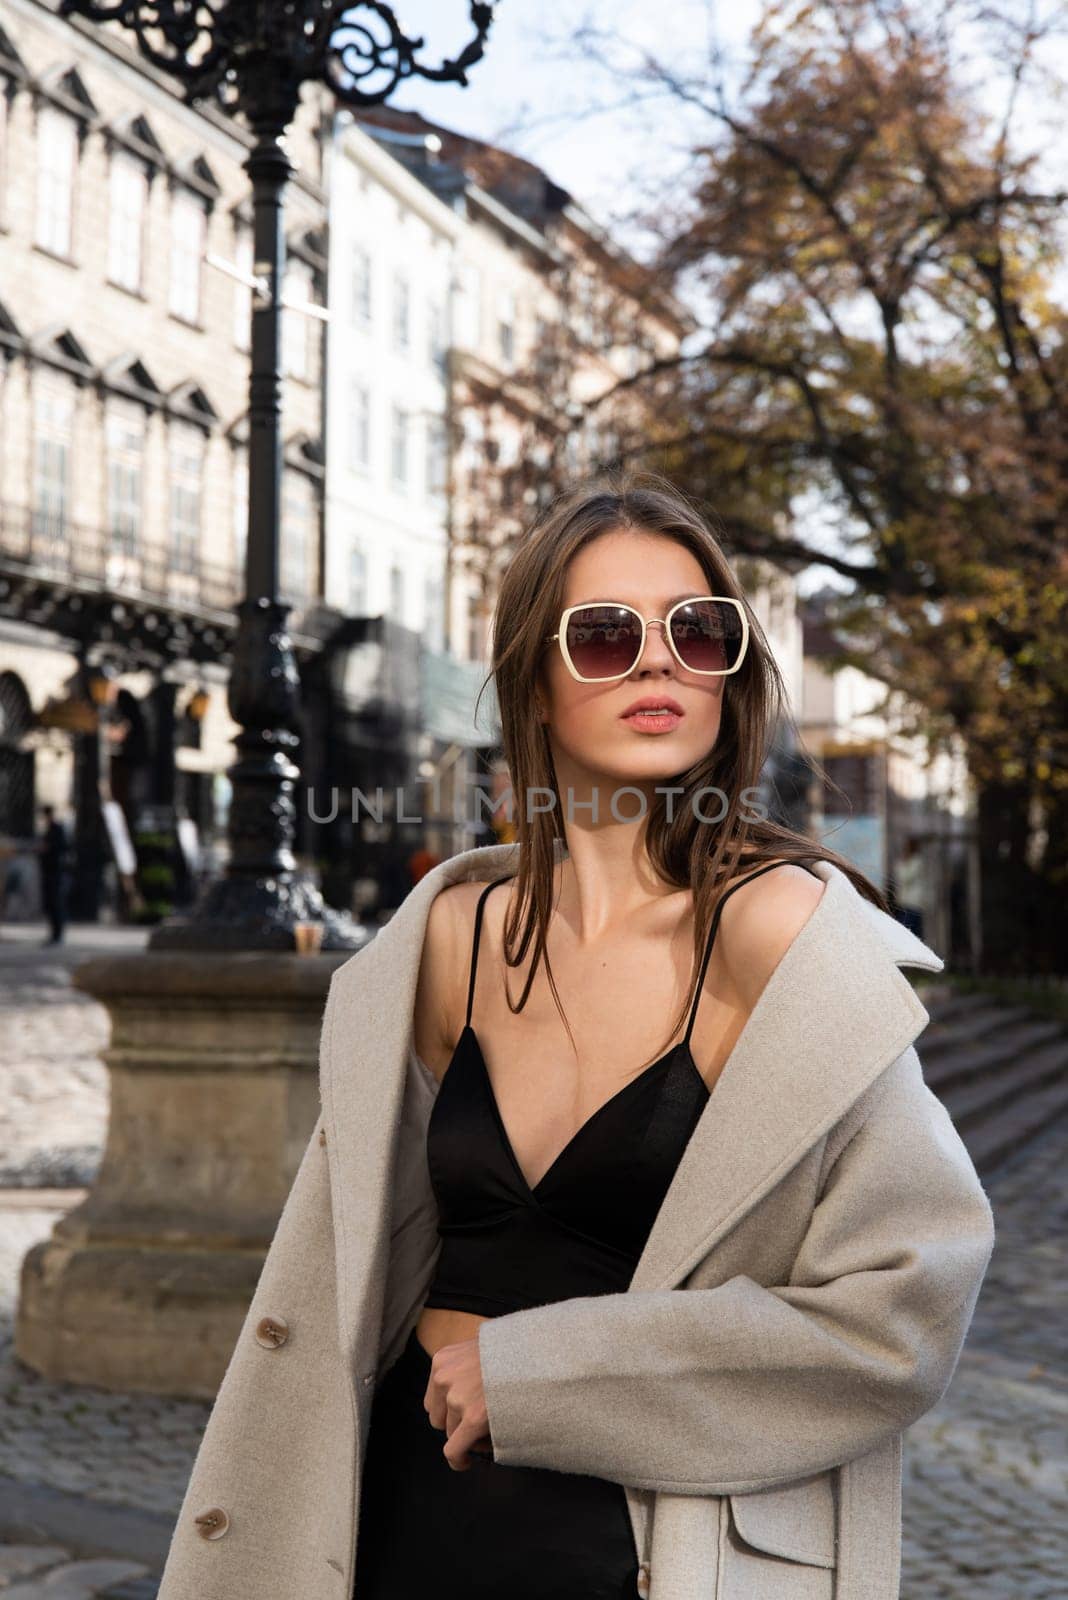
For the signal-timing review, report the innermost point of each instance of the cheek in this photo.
(578, 712)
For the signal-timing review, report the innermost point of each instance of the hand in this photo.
(454, 1401)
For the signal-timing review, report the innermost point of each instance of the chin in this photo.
(658, 766)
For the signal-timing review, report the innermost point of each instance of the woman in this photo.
(643, 1316)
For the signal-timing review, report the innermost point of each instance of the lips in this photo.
(650, 703)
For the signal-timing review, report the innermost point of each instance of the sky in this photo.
(535, 93)
(538, 93)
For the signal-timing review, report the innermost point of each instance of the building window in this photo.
(361, 285)
(128, 194)
(186, 473)
(473, 451)
(506, 325)
(57, 152)
(474, 629)
(125, 437)
(544, 352)
(53, 434)
(298, 520)
(433, 613)
(396, 593)
(242, 294)
(437, 349)
(188, 223)
(435, 458)
(401, 425)
(295, 362)
(584, 313)
(469, 307)
(402, 312)
(359, 426)
(357, 582)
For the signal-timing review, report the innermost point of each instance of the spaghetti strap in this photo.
(474, 944)
(768, 867)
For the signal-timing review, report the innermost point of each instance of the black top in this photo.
(582, 1227)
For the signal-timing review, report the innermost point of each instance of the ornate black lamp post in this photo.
(252, 56)
(215, 1031)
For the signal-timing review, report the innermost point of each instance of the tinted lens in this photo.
(708, 635)
(603, 641)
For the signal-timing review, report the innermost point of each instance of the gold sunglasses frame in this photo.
(665, 623)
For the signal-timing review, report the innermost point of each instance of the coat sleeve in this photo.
(744, 1386)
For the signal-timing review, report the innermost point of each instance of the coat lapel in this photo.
(836, 1011)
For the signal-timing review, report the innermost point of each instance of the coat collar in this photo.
(835, 1012)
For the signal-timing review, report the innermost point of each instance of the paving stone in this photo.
(19, 1560)
(75, 1580)
(985, 1507)
(146, 1588)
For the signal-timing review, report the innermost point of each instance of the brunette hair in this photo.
(685, 851)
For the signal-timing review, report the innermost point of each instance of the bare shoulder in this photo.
(761, 920)
(440, 997)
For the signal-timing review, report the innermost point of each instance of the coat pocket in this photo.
(781, 1543)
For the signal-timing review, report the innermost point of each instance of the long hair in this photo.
(685, 850)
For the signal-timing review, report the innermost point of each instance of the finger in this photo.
(434, 1405)
(458, 1445)
(468, 1442)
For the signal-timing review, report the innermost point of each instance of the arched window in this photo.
(16, 763)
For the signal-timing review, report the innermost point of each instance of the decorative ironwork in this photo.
(248, 53)
(252, 56)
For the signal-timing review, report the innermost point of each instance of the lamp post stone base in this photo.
(213, 1061)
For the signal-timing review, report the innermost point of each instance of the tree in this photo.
(874, 255)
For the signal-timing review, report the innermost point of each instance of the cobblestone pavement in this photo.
(986, 1472)
(986, 1482)
(53, 1084)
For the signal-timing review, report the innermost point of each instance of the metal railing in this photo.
(47, 546)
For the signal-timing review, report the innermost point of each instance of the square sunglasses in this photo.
(602, 640)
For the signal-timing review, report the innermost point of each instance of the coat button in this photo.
(322, 1135)
(643, 1580)
(368, 1378)
(213, 1523)
(271, 1332)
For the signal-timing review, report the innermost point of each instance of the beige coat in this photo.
(802, 1298)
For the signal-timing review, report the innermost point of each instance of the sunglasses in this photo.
(602, 640)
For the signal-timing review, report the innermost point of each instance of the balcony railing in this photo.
(45, 546)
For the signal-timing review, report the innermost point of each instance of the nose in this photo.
(656, 657)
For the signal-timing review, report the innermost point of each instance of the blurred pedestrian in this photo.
(909, 887)
(55, 852)
(8, 871)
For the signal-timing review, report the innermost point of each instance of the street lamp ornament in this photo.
(222, 48)
(252, 57)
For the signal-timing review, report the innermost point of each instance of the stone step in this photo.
(1000, 1069)
(997, 1138)
(978, 1023)
(75, 1580)
(944, 1002)
(990, 1095)
(146, 1588)
(997, 1051)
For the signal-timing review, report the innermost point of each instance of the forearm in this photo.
(700, 1391)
